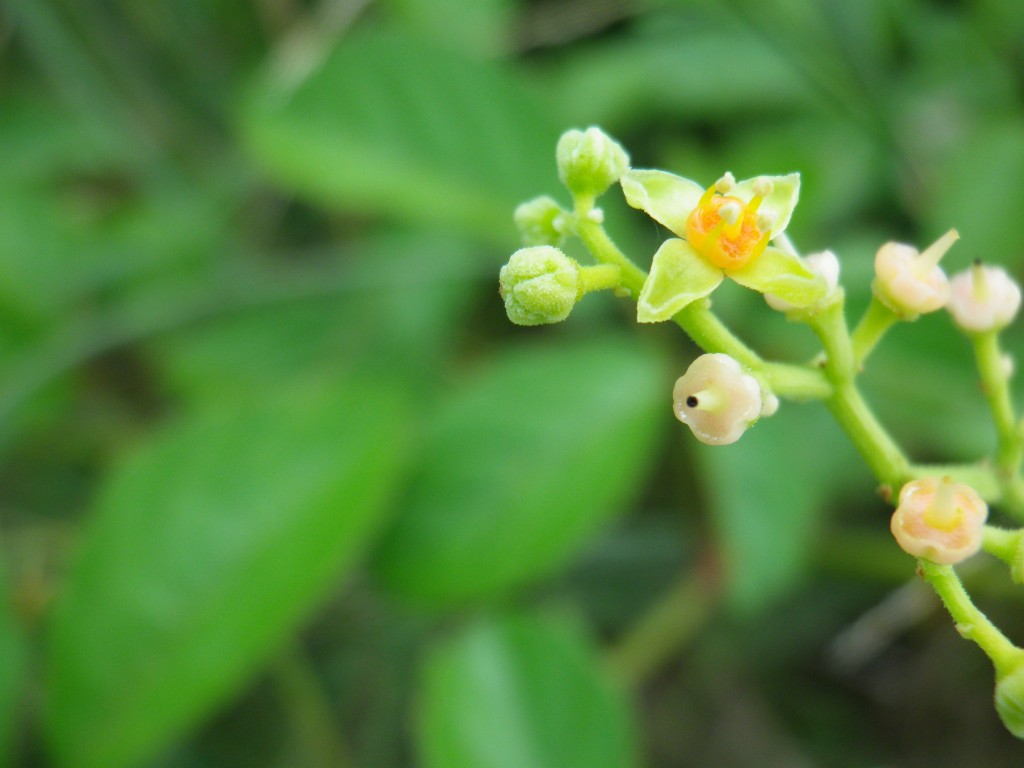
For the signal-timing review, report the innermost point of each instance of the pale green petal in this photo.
(784, 275)
(678, 277)
(665, 197)
(779, 204)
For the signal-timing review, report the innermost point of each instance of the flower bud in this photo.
(983, 298)
(716, 399)
(590, 161)
(939, 520)
(540, 221)
(824, 264)
(1010, 697)
(539, 285)
(911, 283)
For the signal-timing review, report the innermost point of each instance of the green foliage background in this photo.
(279, 484)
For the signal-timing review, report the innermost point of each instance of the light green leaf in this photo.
(479, 27)
(665, 197)
(678, 277)
(784, 275)
(522, 466)
(779, 204)
(392, 125)
(208, 547)
(520, 692)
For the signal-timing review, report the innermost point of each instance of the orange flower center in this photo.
(724, 230)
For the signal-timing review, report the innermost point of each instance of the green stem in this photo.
(603, 249)
(600, 278)
(877, 319)
(1003, 543)
(971, 623)
(797, 382)
(848, 406)
(995, 385)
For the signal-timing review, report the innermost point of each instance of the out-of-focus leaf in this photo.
(391, 125)
(522, 466)
(522, 692)
(768, 493)
(208, 547)
(395, 305)
(480, 27)
(979, 193)
(708, 71)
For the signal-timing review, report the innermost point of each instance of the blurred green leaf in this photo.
(208, 547)
(523, 465)
(979, 193)
(715, 69)
(392, 125)
(480, 27)
(522, 692)
(413, 287)
(769, 493)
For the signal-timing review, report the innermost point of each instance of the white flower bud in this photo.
(825, 264)
(911, 283)
(983, 298)
(939, 520)
(716, 399)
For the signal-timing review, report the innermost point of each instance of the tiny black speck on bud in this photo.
(977, 262)
(691, 401)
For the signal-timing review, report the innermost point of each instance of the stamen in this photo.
(725, 184)
(931, 256)
(730, 212)
(763, 187)
(765, 221)
(943, 513)
(979, 285)
(706, 197)
(709, 399)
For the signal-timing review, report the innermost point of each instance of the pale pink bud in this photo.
(939, 520)
(983, 298)
(911, 283)
(716, 399)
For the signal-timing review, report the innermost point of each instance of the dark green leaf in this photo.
(12, 668)
(523, 465)
(392, 125)
(522, 692)
(207, 548)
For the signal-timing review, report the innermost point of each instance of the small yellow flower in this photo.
(939, 520)
(723, 230)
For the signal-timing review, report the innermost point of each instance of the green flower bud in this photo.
(539, 285)
(540, 221)
(1010, 699)
(590, 161)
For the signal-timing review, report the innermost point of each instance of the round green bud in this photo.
(590, 161)
(1010, 699)
(540, 285)
(540, 221)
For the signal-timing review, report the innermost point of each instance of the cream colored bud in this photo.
(983, 298)
(939, 520)
(911, 283)
(716, 399)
